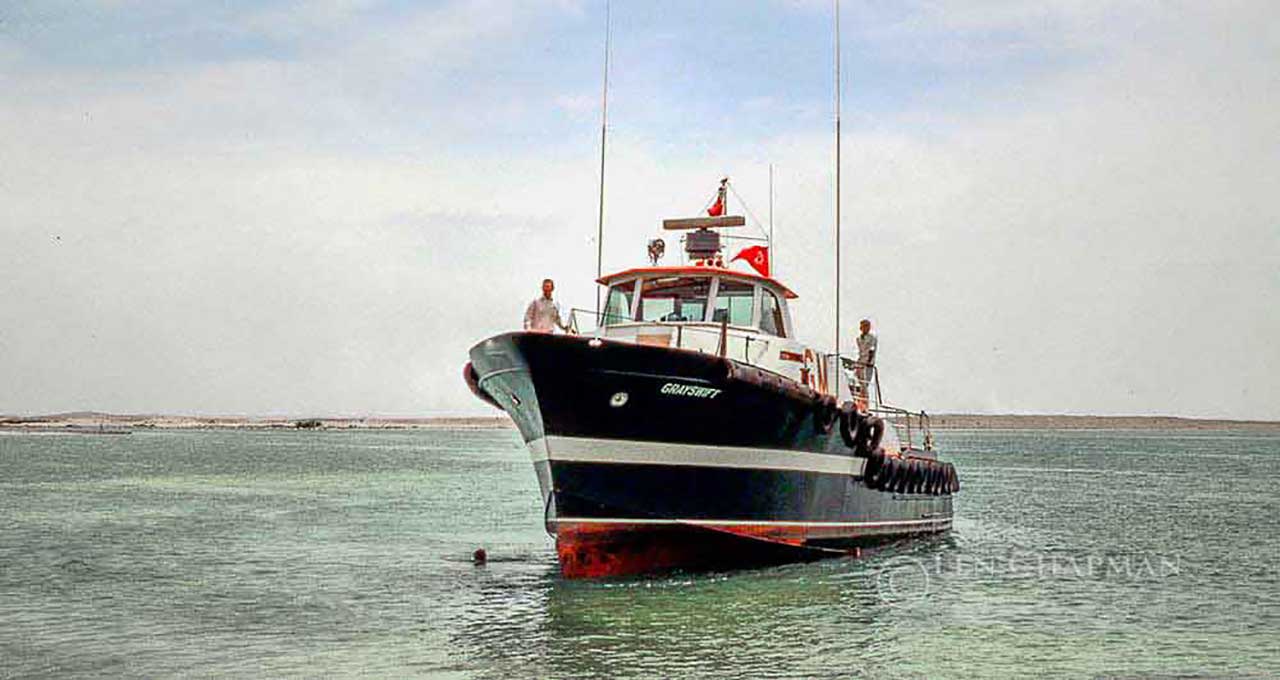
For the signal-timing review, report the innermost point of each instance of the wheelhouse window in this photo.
(674, 298)
(771, 314)
(618, 307)
(733, 303)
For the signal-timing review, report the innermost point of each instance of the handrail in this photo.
(716, 333)
(910, 425)
(907, 423)
(865, 381)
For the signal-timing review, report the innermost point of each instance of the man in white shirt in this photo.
(543, 314)
(866, 353)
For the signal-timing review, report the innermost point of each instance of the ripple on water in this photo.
(283, 553)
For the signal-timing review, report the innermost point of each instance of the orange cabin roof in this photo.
(704, 270)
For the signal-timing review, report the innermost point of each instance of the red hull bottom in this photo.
(594, 550)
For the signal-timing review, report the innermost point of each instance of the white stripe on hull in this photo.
(752, 522)
(591, 450)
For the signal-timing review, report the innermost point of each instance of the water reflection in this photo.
(825, 618)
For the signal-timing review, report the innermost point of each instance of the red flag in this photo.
(757, 257)
(717, 208)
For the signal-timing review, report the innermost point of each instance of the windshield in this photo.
(771, 315)
(618, 307)
(674, 298)
(733, 303)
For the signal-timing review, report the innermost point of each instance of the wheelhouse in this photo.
(697, 296)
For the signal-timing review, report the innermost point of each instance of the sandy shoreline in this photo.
(93, 421)
(106, 422)
(960, 421)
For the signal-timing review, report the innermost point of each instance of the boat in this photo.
(692, 429)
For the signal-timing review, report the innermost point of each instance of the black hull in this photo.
(633, 443)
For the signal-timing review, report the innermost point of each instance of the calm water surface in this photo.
(236, 554)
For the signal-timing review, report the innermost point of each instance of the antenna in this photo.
(773, 255)
(837, 13)
(604, 119)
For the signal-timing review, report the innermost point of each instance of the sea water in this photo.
(233, 554)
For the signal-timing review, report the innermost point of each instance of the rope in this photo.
(747, 208)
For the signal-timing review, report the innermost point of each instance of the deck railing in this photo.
(702, 336)
(912, 427)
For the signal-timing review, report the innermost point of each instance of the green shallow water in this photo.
(233, 554)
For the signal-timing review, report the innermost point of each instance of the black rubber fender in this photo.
(876, 480)
(874, 435)
(887, 470)
(917, 477)
(888, 475)
(850, 421)
(872, 467)
(825, 413)
(904, 485)
(904, 476)
(861, 434)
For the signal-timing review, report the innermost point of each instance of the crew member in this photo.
(865, 367)
(543, 314)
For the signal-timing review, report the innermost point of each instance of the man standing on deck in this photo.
(543, 314)
(866, 354)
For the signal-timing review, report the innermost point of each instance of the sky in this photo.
(315, 208)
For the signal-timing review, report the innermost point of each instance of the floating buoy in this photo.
(479, 556)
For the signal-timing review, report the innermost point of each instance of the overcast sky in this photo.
(317, 207)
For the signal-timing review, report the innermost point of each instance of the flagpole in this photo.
(773, 254)
(604, 119)
(837, 314)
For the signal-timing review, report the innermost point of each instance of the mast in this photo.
(604, 119)
(837, 313)
(773, 255)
